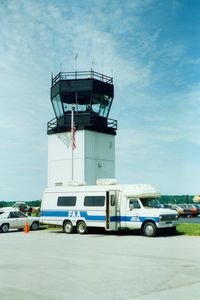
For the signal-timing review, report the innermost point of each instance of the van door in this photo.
(132, 213)
(111, 210)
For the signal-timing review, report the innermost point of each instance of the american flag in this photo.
(73, 137)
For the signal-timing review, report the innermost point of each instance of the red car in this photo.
(197, 207)
(193, 209)
(183, 210)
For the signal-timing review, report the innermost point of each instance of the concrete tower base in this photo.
(93, 158)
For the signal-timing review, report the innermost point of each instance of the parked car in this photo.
(17, 220)
(193, 209)
(167, 206)
(182, 209)
(197, 207)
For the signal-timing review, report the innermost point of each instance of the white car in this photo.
(17, 220)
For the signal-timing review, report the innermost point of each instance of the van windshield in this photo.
(151, 202)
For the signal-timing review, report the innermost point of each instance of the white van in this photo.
(106, 205)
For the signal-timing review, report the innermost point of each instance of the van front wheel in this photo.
(81, 227)
(149, 229)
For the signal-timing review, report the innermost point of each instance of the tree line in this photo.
(34, 203)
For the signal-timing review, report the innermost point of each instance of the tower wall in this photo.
(93, 158)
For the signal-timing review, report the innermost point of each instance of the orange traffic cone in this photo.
(26, 228)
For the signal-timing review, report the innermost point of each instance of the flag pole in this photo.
(72, 140)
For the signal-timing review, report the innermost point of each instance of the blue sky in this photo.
(150, 47)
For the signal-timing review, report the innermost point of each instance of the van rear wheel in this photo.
(149, 229)
(68, 227)
(81, 227)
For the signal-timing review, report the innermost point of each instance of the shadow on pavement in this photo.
(100, 232)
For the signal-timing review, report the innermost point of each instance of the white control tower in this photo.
(81, 137)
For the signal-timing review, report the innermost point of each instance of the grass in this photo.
(188, 229)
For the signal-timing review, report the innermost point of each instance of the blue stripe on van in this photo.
(132, 219)
(52, 213)
(84, 214)
(155, 219)
(71, 214)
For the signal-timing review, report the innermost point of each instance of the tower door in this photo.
(111, 210)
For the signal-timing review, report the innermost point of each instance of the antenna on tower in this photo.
(92, 69)
(52, 78)
(76, 56)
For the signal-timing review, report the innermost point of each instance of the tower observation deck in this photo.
(89, 94)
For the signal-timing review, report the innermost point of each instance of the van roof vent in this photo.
(106, 181)
(58, 183)
(75, 183)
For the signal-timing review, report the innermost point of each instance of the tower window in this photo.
(57, 106)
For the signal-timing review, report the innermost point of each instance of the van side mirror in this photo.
(131, 206)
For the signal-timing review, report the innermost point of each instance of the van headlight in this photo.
(177, 216)
(161, 218)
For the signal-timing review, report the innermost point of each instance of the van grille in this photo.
(168, 217)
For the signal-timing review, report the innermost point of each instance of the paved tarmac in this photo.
(53, 265)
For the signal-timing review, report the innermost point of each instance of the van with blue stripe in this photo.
(108, 205)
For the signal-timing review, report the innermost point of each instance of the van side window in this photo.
(94, 201)
(133, 203)
(112, 200)
(66, 201)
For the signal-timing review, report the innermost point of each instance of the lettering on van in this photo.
(74, 214)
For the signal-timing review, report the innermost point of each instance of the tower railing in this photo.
(81, 75)
(89, 121)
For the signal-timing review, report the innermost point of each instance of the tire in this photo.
(81, 227)
(149, 229)
(68, 227)
(4, 228)
(35, 226)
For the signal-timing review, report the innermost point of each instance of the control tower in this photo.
(81, 137)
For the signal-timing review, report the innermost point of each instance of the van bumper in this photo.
(166, 224)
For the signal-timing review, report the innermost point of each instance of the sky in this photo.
(151, 48)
